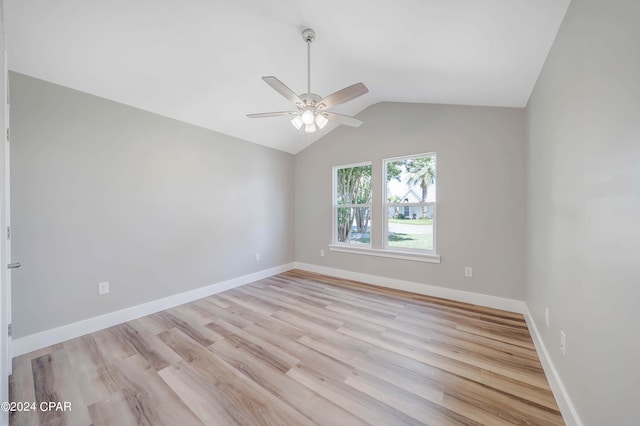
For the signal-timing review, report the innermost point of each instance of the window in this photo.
(410, 202)
(352, 205)
(403, 225)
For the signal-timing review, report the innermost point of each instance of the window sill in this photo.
(394, 254)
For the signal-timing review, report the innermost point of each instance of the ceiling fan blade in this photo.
(272, 114)
(342, 119)
(342, 96)
(281, 88)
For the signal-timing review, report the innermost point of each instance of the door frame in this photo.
(5, 274)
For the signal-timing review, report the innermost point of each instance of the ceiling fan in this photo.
(312, 113)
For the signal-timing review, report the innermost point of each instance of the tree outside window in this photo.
(353, 204)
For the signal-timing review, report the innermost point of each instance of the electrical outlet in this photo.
(546, 316)
(257, 257)
(103, 288)
(322, 252)
(468, 272)
(563, 343)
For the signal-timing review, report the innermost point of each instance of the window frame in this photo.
(419, 255)
(386, 205)
(336, 206)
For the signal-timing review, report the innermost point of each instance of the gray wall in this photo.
(481, 179)
(105, 192)
(583, 191)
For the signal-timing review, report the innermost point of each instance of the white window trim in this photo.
(334, 213)
(416, 255)
(394, 254)
(385, 206)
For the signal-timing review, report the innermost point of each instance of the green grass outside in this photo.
(414, 241)
(412, 221)
(401, 240)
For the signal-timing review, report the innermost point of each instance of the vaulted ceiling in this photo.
(200, 61)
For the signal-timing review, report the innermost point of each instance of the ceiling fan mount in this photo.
(308, 35)
(312, 111)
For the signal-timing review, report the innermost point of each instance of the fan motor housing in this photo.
(310, 98)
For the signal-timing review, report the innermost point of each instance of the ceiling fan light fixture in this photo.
(310, 128)
(307, 116)
(297, 122)
(321, 121)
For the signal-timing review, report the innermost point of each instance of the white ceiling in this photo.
(200, 61)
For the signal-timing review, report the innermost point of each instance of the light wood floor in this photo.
(296, 349)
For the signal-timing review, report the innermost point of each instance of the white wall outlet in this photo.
(468, 272)
(546, 316)
(563, 343)
(322, 252)
(103, 288)
(257, 257)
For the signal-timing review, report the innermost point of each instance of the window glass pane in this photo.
(354, 225)
(412, 180)
(408, 232)
(353, 185)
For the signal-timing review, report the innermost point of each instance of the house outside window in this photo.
(352, 205)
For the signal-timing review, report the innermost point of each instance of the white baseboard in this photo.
(495, 302)
(50, 337)
(568, 410)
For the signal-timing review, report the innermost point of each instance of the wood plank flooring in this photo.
(295, 349)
